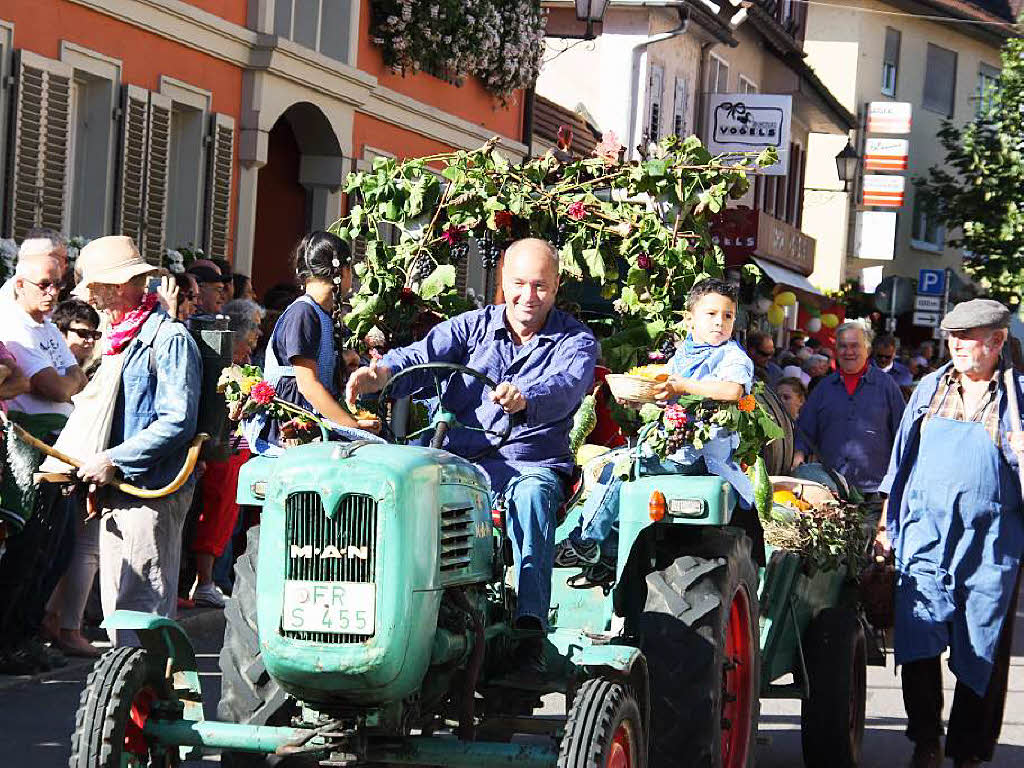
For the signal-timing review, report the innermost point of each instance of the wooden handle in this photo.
(191, 458)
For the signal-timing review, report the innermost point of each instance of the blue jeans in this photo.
(532, 499)
(599, 518)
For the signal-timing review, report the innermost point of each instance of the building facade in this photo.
(939, 56)
(227, 125)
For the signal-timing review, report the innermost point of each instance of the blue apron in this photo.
(274, 371)
(958, 546)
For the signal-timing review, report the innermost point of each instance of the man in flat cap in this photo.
(956, 522)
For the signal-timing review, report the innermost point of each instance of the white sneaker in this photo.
(208, 595)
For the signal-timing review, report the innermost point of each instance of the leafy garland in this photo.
(500, 41)
(639, 229)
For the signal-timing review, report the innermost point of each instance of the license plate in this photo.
(329, 606)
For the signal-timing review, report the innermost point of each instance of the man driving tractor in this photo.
(542, 361)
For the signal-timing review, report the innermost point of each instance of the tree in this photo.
(980, 190)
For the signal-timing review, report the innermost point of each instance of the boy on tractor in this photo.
(708, 364)
(543, 362)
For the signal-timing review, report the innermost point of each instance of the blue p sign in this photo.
(931, 282)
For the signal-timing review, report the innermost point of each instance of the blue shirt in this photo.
(554, 371)
(900, 374)
(853, 434)
(157, 404)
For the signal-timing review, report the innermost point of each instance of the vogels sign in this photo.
(750, 122)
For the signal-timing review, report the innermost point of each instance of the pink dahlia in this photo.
(452, 235)
(577, 211)
(675, 416)
(262, 393)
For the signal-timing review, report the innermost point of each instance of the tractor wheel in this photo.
(778, 454)
(249, 695)
(698, 631)
(832, 718)
(118, 697)
(604, 728)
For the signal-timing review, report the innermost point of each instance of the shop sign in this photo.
(876, 235)
(883, 191)
(743, 232)
(886, 154)
(750, 122)
(889, 117)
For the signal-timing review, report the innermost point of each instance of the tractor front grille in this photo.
(352, 529)
(456, 538)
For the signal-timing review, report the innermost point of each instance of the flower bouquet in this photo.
(247, 393)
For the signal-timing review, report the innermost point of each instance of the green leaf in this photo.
(439, 281)
(595, 262)
(656, 168)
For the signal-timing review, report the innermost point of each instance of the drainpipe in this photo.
(528, 100)
(639, 60)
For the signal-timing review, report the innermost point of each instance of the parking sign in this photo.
(931, 282)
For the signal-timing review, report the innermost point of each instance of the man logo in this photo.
(307, 552)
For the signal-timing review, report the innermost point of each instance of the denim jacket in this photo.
(157, 404)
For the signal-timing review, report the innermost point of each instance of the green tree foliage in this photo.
(640, 230)
(980, 190)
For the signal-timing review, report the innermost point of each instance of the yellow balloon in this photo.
(786, 299)
(776, 315)
(829, 320)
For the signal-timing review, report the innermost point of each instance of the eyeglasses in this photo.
(44, 285)
(86, 334)
(764, 352)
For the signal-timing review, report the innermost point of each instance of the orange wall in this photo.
(230, 10)
(40, 26)
(369, 131)
(471, 101)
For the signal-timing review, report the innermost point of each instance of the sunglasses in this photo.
(85, 334)
(44, 285)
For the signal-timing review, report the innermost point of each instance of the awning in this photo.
(786, 276)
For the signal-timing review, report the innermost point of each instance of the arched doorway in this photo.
(298, 190)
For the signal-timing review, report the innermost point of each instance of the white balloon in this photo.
(762, 305)
(814, 325)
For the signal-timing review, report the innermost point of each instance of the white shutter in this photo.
(656, 87)
(158, 158)
(6, 62)
(680, 107)
(219, 175)
(131, 195)
(40, 132)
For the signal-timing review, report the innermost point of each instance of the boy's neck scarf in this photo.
(125, 330)
(694, 355)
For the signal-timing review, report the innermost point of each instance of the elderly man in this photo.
(884, 356)
(954, 517)
(761, 350)
(816, 367)
(154, 419)
(212, 289)
(543, 363)
(851, 418)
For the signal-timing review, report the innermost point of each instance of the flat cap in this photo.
(976, 313)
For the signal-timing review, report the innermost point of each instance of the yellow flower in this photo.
(248, 383)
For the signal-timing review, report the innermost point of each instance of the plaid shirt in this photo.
(948, 403)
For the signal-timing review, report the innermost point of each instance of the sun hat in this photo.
(110, 260)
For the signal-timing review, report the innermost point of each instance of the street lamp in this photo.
(590, 11)
(846, 164)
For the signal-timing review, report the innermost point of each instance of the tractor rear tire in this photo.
(699, 633)
(604, 728)
(117, 698)
(249, 695)
(832, 718)
(778, 454)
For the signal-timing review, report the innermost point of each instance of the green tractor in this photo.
(371, 624)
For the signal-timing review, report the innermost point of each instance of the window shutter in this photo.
(158, 157)
(940, 80)
(219, 175)
(680, 107)
(657, 88)
(41, 136)
(131, 195)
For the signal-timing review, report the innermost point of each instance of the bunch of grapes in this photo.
(422, 266)
(459, 251)
(561, 234)
(489, 253)
(679, 438)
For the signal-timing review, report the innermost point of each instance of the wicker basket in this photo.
(631, 389)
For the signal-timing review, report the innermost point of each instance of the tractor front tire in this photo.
(699, 634)
(249, 695)
(832, 718)
(118, 697)
(604, 728)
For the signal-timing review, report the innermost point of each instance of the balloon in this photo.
(786, 299)
(829, 320)
(762, 305)
(814, 325)
(776, 315)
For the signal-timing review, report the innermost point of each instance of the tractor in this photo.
(371, 624)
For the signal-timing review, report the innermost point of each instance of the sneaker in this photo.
(208, 595)
(576, 554)
(46, 658)
(926, 755)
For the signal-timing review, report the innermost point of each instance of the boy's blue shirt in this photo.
(726, 362)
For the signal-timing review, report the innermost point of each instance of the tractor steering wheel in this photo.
(444, 421)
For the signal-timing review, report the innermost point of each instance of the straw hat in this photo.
(111, 260)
